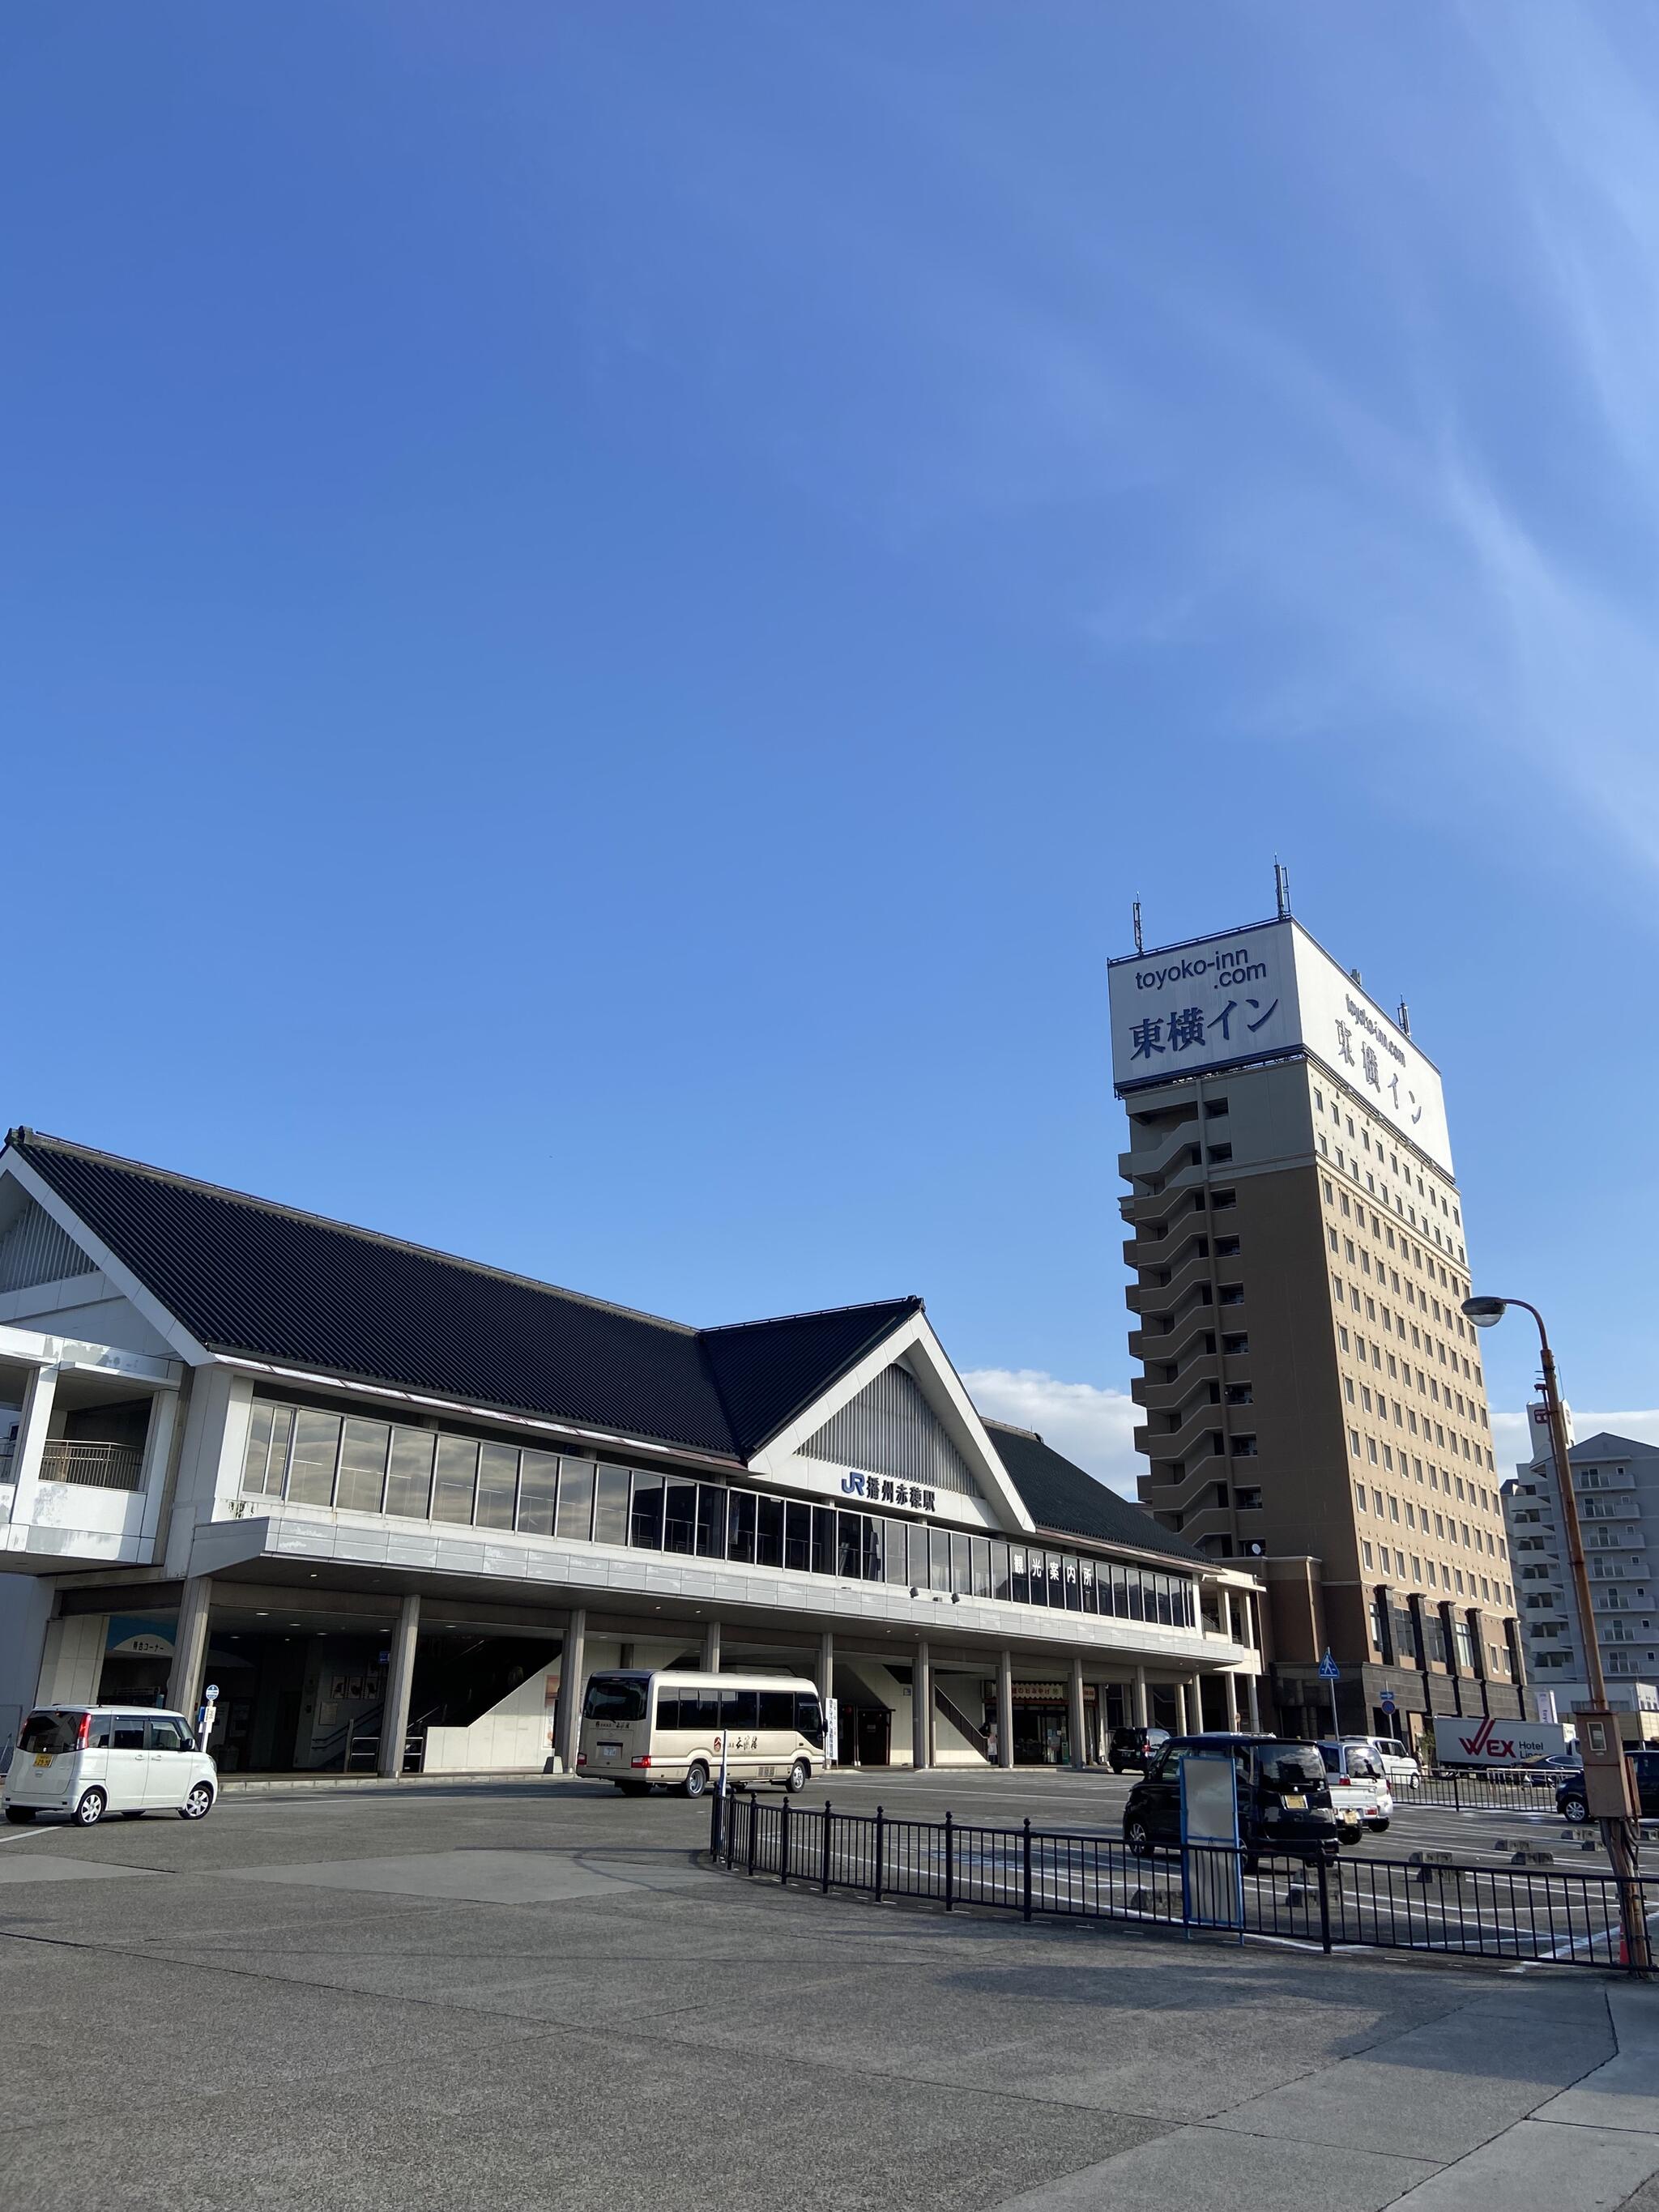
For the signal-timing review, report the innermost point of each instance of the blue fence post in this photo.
(825, 1869)
(950, 1862)
(715, 1822)
(783, 1846)
(1325, 1907)
(1025, 1900)
(749, 1809)
(880, 1829)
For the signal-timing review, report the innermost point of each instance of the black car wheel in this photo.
(1137, 1839)
(1574, 1808)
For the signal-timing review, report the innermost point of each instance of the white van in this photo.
(87, 1760)
(1353, 1772)
(644, 1731)
(1398, 1766)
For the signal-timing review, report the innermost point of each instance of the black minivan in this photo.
(1284, 1808)
(1134, 1747)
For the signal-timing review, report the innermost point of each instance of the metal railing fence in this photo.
(1531, 1914)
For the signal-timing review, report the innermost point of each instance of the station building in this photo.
(396, 1506)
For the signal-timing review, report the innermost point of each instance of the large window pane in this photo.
(711, 1522)
(680, 1517)
(961, 1576)
(981, 1568)
(256, 1457)
(1137, 1594)
(1000, 1586)
(849, 1547)
(898, 1567)
(915, 1546)
(1056, 1561)
(797, 1539)
(874, 1531)
(740, 1526)
(1068, 1573)
(823, 1540)
(498, 1485)
(362, 1465)
(1019, 1580)
(575, 1520)
(538, 1487)
(455, 1479)
(769, 1532)
(645, 1514)
(409, 1477)
(610, 1506)
(939, 1558)
(1086, 1583)
(316, 1448)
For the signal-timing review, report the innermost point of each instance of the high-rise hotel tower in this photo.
(1314, 1398)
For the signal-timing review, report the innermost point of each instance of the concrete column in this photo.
(1253, 1691)
(1197, 1704)
(1231, 1688)
(825, 1672)
(711, 1647)
(1078, 1716)
(400, 1681)
(1004, 1709)
(573, 1674)
(1181, 1709)
(25, 1470)
(921, 1708)
(190, 1646)
(1143, 1708)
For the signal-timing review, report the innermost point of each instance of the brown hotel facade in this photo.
(1314, 1404)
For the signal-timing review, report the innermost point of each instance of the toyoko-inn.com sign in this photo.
(1221, 1000)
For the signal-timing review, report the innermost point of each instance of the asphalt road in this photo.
(518, 1996)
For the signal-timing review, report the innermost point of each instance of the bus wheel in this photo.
(800, 1775)
(697, 1779)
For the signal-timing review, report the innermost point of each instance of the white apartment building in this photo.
(1615, 1481)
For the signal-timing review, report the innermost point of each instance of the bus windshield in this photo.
(615, 1698)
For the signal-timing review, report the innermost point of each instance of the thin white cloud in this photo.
(1092, 1426)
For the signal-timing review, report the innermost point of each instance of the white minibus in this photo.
(646, 1730)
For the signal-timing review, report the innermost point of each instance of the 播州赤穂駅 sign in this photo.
(1489, 1743)
(1245, 995)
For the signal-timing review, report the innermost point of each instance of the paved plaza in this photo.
(533, 1994)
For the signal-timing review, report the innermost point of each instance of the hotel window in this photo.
(1359, 1496)
(1365, 1554)
(1371, 1451)
(1353, 1441)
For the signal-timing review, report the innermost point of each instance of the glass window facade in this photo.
(313, 1458)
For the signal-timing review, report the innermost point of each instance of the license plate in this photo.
(43, 1758)
(1296, 1803)
(1351, 1819)
(610, 1751)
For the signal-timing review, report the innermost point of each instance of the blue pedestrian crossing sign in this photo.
(1328, 1669)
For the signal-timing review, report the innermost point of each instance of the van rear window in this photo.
(1291, 1766)
(615, 1698)
(52, 1732)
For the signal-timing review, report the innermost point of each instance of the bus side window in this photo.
(738, 1709)
(668, 1708)
(809, 1719)
(777, 1708)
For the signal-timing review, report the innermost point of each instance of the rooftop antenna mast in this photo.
(1282, 889)
(1404, 1019)
(1139, 942)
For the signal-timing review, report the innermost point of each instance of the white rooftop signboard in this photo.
(1248, 994)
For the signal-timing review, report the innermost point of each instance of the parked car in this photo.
(1571, 1802)
(1284, 1808)
(87, 1760)
(1356, 1782)
(1400, 1766)
(1134, 1747)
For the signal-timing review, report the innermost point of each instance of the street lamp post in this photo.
(1618, 1836)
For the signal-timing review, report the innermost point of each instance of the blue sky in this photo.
(604, 609)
